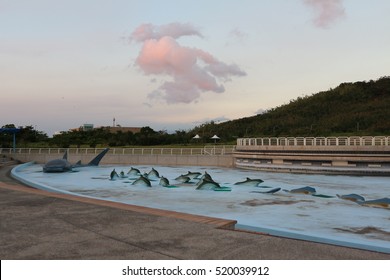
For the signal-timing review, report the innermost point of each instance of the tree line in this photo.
(360, 108)
(100, 137)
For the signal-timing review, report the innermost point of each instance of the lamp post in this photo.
(13, 131)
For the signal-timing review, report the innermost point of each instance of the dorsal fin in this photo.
(98, 158)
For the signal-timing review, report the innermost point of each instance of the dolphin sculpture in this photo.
(303, 190)
(206, 176)
(352, 197)
(206, 184)
(381, 202)
(142, 181)
(250, 182)
(63, 165)
(134, 172)
(114, 175)
(274, 190)
(183, 179)
(153, 174)
(165, 183)
(193, 175)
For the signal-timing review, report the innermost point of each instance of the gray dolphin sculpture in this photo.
(274, 190)
(142, 181)
(193, 175)
(114, 175)
(153, 174)
(134, 172)
(250, 182)
(381, 202)
(352, 197)
(206, 176)
(183, 179)
(63, 165)
(165, 183)
(206, 184)
(303, 190)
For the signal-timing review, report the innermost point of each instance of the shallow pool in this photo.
(323, 218)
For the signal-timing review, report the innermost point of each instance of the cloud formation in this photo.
(327, 11)
(190, 71)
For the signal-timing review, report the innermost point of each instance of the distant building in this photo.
(87, 127)
(84, 127)
(111, 129)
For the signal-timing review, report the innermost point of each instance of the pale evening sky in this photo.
(176, 64)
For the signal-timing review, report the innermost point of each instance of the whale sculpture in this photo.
(250, 182)
(381, 202)
(142, 181)
(352, 197)
(63, 165)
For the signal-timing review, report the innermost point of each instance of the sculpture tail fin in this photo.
(98, 158)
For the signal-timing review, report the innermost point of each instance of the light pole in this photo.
(13, 131)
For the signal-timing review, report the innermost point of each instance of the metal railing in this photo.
(316, 141)
(206, 150)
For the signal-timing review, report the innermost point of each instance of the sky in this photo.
(176, 64)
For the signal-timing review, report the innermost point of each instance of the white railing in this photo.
(206, 150)
(316, 141)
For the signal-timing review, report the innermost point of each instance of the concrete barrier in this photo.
(126, 159)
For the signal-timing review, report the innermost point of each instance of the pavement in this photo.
(35, 224)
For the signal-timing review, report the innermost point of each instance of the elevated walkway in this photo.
(333, 155)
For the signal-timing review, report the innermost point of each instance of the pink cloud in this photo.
(327, 11)
(187, 72)
(175, 30)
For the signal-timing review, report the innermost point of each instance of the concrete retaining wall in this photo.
(167, 160)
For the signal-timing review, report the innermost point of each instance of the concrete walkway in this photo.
(39, 225)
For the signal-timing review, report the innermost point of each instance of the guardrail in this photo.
(316, 141)
(206, 150)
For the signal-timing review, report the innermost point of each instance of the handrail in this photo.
(316, 141)
(204, 151)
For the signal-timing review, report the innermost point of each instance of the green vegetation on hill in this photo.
(361, 108)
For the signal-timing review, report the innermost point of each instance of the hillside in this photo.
(360, 108)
